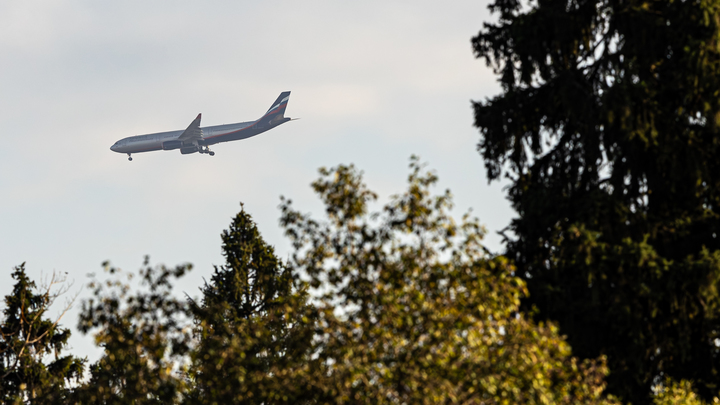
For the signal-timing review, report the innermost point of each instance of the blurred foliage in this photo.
(399, 306)
(678, 393)
(145, 334)
(412, 308)
(607, 127)
(32, 369)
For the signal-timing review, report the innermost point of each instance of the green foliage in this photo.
(253, 326)
(406, 306)
(608, 128)
(414, 310)
(145, 336)
(27, 339)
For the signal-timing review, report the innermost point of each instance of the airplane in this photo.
(196, 139)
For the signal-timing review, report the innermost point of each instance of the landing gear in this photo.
(207, 150)
(129, 157)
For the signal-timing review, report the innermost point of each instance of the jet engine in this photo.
(186, 150)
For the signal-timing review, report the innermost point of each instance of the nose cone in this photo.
(113, 148)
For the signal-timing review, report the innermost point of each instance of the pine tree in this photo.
(607, 126)
(32, 367)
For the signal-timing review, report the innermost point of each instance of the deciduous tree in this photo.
(399, 306)
(414, 310)
(145, 334)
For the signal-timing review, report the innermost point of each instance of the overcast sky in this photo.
(374, 82)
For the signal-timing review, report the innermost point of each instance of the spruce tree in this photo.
(252, 327)
(607, 126)
(32, 367)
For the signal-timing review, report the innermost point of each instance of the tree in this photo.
(244, 343)
(607, 126)
(146, 336)
(414, 310)
(677, 393)
(28, 338)
(399, 306)
(254, 326)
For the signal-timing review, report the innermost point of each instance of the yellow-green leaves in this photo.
(417, 311)
(404, 305)
(671, 392)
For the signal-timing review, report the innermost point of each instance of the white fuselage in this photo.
(212, 135)
(198, 139)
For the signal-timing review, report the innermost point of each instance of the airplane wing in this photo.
(193, 131)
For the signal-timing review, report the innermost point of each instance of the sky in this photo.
(373, 82)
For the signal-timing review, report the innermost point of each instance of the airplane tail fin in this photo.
(278, 107)
(276, 114)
